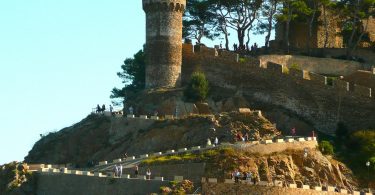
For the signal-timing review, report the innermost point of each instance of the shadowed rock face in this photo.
(99, 138)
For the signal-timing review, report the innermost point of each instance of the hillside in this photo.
(99, 137)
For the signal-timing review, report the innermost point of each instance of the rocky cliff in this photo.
(99, 137)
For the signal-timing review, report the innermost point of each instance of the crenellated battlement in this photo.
(321, 100)
(164, 5)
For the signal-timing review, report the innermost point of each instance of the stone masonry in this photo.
(163, 42)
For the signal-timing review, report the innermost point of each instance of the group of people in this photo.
(244, 176)
(239, 137)
(253, 48)
(216, 141)
(101, 109)
(117, 169)
(136, 172)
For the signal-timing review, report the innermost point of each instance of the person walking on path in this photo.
(148, 173)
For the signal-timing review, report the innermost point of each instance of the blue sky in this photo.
(58, 59)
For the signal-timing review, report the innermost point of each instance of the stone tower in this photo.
(163, 42)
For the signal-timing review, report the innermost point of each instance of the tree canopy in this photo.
(217, 18)
(197, 89)
(132, 75)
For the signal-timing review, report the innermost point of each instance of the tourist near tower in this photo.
(163, 42)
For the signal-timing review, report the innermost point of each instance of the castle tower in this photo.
(163, 42)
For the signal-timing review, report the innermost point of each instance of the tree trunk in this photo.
(287, 28)
(269, 27)
(325, 27)
(350, 42)
(248, 39)
(241, 37)
(360, 37)
(226, 41)
(310, 31)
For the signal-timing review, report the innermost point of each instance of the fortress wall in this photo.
(366, 54)
(341, 85)
(228, 188)
(312, 64)
(277, 68)
(62, 184)
(191, 171)
(265, 149)
(296, 73)
(312, 100)
(318, 78)
(362, 91)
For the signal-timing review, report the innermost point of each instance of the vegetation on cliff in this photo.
(355, 149)
(290, 166)
(14, 179)
(132, 75)
(197, 89)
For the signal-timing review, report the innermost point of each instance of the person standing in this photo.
(111, 109)
(246, 137)
(255, 178)
(136, 171)
(103, 108)
(115, 170)
(98, 109)
(248, 176)
(216, 141)
(208, 142)
(148, 173)
(119, 169)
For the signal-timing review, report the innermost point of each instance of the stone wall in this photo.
(319, 104)
(191, 171)
(63, 184)
(265, 149)
(367, 55)
(325, 66)
(298, 33)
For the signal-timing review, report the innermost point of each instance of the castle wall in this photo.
(298, 32)
(63, 184)
(163, 42)
(313, 100)
(325, 66)
(191, 171)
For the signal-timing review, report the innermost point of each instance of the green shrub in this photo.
(295, 66)
(363, 142)
(372, 163)
(197, 89)
(242, 60)
(326, 147)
